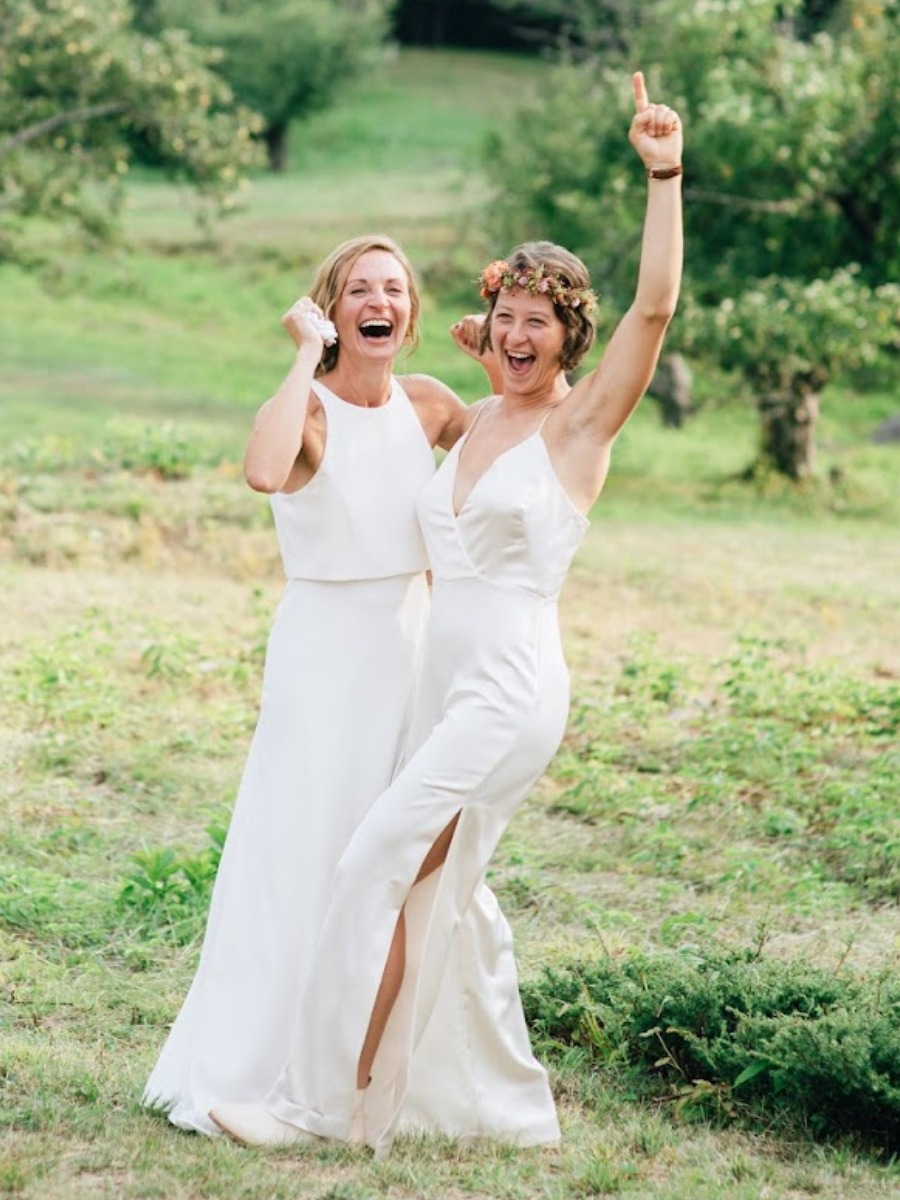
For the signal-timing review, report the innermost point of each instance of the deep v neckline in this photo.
(458, 512)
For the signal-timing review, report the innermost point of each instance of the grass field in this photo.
(729, 778)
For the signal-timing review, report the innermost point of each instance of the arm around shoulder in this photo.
(469, 335)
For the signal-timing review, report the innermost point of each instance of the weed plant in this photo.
(796, 757)
(167, 894)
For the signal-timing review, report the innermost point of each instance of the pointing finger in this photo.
(641, 100)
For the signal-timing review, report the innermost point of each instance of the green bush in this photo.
(734, 1034)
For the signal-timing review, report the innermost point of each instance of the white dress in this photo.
(489, 716)
(334, 710)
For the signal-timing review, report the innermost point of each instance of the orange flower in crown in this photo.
(500, 276)
(492, 276)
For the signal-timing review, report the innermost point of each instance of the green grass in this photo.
(431, 111)
(729, 774)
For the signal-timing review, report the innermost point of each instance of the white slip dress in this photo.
(334, 712)
(490, 713)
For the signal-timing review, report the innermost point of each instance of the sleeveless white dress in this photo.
(334, 709)
(490, 713)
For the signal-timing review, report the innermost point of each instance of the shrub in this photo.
(737, 1034)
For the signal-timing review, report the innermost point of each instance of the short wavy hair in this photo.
(332, 275)
(580, 324)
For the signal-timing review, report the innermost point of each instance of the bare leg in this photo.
(437, 855)
(391, 980)
(388, 990)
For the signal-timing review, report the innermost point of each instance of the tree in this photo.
(793, 160)
(76, 81)
(283, 58)
(793, 150)
(788, 339)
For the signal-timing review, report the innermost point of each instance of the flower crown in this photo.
(500, 276)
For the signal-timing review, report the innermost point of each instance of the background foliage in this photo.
(783, 133)
(283, 59)
(77, 82)
(728, 778)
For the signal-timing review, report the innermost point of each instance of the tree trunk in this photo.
(275, 137)
(788, 428)
(439, 30)
(670, 387)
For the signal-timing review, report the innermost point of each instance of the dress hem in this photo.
(338, 1129)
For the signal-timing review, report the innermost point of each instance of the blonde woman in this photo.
(343, 448)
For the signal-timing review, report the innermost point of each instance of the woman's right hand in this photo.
(301, 321)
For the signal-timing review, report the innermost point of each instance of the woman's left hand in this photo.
(467, 335)
(655, 129)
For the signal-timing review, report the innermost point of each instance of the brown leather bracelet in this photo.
(664, 172)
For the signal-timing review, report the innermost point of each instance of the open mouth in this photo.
(376, 329)
(519, 363)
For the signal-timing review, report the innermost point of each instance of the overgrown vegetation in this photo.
(169, 894)
(788, 755)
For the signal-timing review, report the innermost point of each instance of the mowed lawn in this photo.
(729, 778)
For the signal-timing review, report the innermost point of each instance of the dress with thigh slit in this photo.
(490, 713)
(335, 705)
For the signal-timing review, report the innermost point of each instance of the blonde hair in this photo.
(332, 275)
(579, 322)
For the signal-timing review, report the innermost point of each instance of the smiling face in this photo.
(527, 337)
(545, 269)
(374, 306)
(343, 266)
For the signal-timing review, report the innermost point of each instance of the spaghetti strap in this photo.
(475, 420)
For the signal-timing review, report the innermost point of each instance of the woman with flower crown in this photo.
(411, 1017)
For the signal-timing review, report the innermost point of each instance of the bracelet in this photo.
(664, 172)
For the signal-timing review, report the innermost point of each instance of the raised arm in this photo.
(601, 403)
(277, 437)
